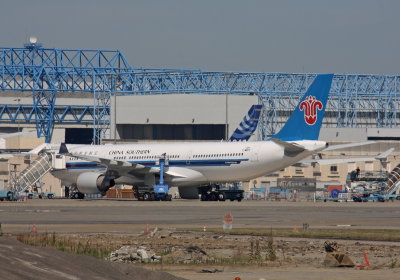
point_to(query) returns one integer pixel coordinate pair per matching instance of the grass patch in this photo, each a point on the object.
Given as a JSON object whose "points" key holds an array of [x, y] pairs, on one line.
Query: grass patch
{"points": [[66, 244], [347, 234]]}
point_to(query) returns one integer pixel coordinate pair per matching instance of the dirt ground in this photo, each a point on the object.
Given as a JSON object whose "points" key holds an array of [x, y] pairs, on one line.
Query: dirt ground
{"points": [[195, 255], [19, 261], [199, 255]]}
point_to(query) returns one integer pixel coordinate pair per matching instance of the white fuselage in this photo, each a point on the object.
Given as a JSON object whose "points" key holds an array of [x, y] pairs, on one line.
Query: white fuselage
{"points": [[192, 163]]}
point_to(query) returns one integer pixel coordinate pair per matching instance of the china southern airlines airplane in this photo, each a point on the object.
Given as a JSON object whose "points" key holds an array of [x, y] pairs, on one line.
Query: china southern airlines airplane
{"points": [[96, 168]]}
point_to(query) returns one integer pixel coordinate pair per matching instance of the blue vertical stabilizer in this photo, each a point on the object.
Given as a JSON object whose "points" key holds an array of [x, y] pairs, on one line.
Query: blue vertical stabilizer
{"points": [[248, 125], [306, 120]]}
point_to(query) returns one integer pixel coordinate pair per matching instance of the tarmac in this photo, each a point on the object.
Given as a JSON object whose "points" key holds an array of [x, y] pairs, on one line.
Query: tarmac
{"points": [[132, 216]]}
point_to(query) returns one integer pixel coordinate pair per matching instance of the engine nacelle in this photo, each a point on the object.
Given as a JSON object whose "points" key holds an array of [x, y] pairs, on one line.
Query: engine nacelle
{"points": [[94, 182]]}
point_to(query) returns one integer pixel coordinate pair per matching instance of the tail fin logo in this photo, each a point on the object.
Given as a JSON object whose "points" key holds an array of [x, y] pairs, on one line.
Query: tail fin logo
{"points": [[310, 106]]}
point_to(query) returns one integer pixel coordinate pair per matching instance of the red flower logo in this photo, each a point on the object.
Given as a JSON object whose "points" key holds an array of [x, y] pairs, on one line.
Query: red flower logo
{"points": [[310, 106]]}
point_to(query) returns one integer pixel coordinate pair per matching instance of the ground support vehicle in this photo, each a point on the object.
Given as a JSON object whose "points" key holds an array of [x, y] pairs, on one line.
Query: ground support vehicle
{"points": [[157, 192], [149, 194], [6, 195], [214, 193], [40, 195]]}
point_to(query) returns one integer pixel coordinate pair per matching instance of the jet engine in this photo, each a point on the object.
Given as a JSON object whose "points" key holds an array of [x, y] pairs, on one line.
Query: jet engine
{"points": [[94, 182]]}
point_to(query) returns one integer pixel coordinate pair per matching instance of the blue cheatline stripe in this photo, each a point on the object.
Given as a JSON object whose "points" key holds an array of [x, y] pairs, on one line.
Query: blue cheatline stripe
{"points": [[211, 162]]}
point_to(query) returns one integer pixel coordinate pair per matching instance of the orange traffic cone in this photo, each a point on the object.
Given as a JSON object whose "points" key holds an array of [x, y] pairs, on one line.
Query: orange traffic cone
{"points": [[366, 262], [204, 228], [147, 228], [34, 228]]}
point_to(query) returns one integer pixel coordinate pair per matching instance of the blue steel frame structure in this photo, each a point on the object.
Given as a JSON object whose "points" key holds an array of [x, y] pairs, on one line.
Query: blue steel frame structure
{"points": [[355, 100]]}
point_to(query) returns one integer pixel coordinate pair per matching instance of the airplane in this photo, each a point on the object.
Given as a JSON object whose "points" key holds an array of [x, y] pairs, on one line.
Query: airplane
{"points": [[243, 132], [96, 168], [248, 125]]}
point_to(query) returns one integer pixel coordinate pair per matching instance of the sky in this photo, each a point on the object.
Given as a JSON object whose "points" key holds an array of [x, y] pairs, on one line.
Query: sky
{"points": [[313, 36]]}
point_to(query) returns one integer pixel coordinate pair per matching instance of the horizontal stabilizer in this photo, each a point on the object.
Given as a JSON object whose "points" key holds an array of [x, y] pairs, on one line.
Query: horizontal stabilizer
{"points": [[291, 150]]}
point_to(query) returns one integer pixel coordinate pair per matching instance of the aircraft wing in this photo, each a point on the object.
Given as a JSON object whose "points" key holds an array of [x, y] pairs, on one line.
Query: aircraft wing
{"points": [[328, 161]]}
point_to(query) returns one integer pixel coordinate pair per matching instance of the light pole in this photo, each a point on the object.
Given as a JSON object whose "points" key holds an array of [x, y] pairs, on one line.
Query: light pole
{"points": [[115, 119], [17, 112], [226, 106]]}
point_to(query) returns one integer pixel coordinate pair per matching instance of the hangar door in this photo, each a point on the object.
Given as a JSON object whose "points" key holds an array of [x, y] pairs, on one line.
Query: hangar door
{"points": [[79, 135], [171, 132]]}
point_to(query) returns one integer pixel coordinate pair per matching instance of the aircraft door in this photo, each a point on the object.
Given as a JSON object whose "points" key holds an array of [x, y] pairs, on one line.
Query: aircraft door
{"points": [[188, 158], [254, 151]]}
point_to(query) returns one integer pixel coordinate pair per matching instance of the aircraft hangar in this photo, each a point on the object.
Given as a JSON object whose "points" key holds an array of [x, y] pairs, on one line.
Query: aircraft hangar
{"points": [[94, 96]]}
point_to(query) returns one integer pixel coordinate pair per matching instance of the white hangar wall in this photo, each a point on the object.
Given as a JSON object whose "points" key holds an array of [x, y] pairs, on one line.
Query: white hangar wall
{"points": [[179, 109]]}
